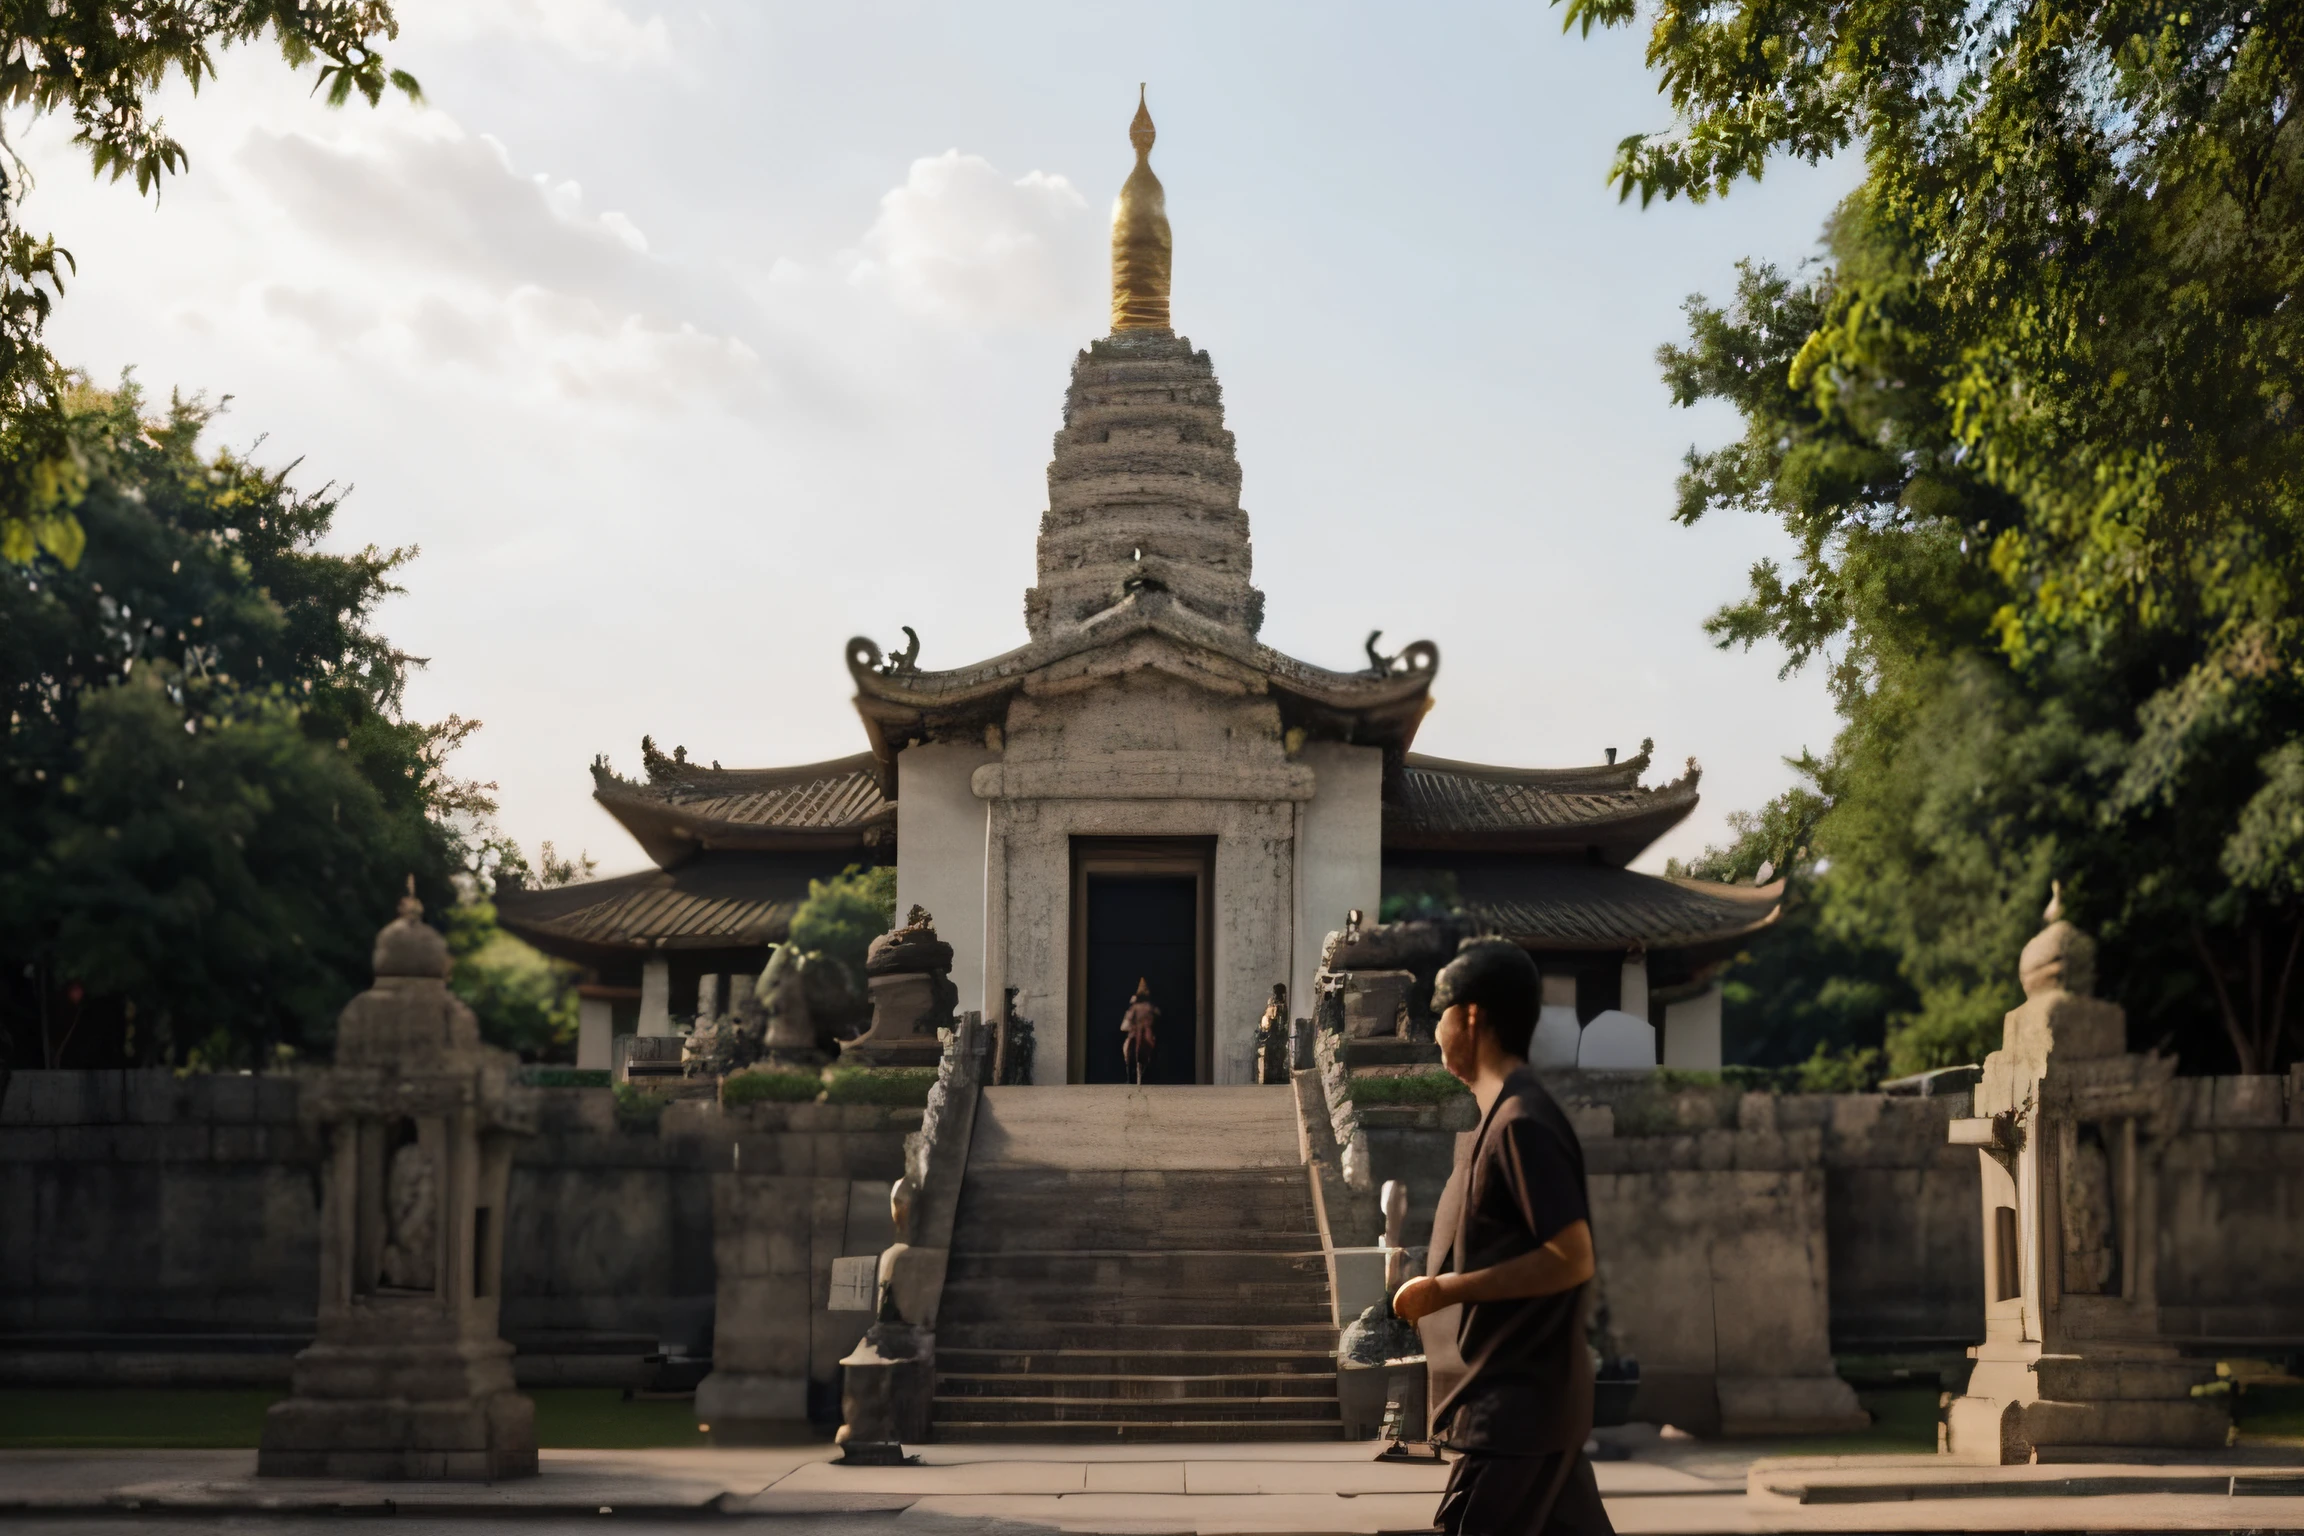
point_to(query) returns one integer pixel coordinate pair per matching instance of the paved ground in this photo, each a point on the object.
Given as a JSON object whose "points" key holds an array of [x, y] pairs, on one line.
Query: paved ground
{"points": [[1665, 1487]]}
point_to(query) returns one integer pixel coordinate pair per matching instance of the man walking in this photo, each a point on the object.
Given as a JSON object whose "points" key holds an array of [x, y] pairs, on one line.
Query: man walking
{"points": [[1512, 1246]]}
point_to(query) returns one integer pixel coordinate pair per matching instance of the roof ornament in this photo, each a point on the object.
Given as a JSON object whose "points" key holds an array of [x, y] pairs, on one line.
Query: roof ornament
{"points": [[1418, 656], [906, 660], [1143, 251]]}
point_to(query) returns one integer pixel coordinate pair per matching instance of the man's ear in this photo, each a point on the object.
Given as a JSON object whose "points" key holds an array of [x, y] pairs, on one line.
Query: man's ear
{"points": [[1474, 1022]]}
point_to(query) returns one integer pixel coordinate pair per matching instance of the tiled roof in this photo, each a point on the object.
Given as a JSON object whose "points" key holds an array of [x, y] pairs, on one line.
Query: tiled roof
{"points": [[814, 805], [714, 902], [1562, 904], [1144, 630], [1436, 803]]}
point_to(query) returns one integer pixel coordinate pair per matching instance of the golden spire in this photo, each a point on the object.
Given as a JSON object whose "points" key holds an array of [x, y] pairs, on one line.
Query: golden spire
{"points": [[1142, 251]]}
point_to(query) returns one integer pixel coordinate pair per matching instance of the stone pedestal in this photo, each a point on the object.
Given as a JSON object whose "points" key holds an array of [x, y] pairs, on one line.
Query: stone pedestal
{"points": [[2068, 1127], [909, 974], [407, 1377]]}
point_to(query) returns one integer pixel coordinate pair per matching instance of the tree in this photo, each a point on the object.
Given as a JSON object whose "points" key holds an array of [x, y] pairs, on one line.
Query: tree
{"points": [[210, 798], [843, 915], [98, 62], [2030, 425]]}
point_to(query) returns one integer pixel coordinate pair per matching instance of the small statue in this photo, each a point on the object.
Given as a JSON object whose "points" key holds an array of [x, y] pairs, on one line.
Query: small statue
{"points": [[1137, 1041], [1272, 1038], [410, 1201]]}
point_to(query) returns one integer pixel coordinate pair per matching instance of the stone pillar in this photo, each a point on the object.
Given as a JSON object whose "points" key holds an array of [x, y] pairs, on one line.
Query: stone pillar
{"points": [[2068, 1129], [1553, 1047], [407, 1377], [656, 997], [595, 1031], [708, 998], [1632, 987], [1692, 1032]]}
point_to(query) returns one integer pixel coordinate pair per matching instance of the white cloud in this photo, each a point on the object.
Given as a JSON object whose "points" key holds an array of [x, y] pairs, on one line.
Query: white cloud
{"points": [[595, 31], [435, 253], [962, 241]]}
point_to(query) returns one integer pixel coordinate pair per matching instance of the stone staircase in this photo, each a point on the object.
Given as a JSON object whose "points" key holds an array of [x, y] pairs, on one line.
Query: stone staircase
{"points": [[1135, 1265]]}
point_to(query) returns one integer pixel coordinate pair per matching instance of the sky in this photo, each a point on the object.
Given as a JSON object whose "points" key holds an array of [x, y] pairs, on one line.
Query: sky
{"points": [[686, 341]]}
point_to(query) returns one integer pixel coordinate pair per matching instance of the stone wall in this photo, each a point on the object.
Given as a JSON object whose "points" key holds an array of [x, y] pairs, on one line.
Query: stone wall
{"points": [[165, 1229]]}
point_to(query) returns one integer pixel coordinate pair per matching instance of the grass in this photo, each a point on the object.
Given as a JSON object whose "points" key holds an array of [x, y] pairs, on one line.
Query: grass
{"points": [[1903, 1421], [2270, 1413], [56, 1418]]}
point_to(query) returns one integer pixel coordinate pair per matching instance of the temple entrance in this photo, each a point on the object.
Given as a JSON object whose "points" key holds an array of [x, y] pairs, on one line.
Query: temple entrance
{"points": [[1140, 916]]}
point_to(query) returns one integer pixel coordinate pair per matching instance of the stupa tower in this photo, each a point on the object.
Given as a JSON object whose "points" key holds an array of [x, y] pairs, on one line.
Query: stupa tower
{"points": [[1144, 488]]}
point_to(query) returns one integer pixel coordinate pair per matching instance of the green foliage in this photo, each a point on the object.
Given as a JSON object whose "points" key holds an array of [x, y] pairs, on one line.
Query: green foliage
{"points": [[209, 798], [567, 1077], [900, 1086], [1403, 1088], [2031, 428], [98, 62], [525, 1000], [843, 915], [766, 1085], [637, 1109], [1843, 1071], [1419, 893]]}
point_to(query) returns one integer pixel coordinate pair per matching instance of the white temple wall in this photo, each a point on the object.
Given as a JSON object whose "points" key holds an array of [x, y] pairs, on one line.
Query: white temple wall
{"points": [[1141, 755], [1339, 854], [1692, 1032], [940, 855]]}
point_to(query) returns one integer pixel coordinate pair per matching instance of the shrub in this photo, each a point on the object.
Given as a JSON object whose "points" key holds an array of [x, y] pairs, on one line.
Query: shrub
{"points": [[904, 1087], [637, 1109], [768, 1085], [567, 1077], [1415, 1088]]}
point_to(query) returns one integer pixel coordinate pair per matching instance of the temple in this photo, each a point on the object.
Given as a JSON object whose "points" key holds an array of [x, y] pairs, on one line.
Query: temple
{"points": [[1144, 792]]}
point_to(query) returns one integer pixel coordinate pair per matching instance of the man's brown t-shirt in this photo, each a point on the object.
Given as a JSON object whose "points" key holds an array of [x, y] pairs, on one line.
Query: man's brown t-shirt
{"points": [[1527, 1382]]}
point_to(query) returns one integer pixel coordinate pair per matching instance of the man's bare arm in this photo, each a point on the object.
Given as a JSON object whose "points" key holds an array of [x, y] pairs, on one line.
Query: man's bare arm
{"points": [[1560, 1265]]}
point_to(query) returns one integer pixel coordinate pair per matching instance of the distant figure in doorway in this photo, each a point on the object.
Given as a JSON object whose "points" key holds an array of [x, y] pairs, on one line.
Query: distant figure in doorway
{"points": [[1137, 1042]]}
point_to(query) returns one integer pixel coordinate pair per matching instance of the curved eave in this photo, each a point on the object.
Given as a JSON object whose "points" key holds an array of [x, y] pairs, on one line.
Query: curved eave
{"points": [[674, 822], [1560, 906], [1146, 631], [1618, 836], [633, 916]]}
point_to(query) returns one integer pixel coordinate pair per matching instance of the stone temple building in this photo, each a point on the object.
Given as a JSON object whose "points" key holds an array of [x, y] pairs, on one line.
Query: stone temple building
{"points": [[1145, 791]]}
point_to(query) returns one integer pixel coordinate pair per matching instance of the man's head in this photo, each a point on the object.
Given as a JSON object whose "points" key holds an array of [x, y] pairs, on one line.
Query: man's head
{"points": [[1489, 991]]}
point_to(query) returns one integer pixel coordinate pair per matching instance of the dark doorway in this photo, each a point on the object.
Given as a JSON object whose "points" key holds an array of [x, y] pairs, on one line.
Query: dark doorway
{"points": [[1141, 911]]}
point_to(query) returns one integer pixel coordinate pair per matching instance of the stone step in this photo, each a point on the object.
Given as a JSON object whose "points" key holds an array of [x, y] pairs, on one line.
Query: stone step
{"points": [[1116, 1128], [1147, 1271], [1012, 1330], [1137, 1386], [1113, 1410], [1003, 1238], [1169, 1362], [982, 1301], [1113, 1432]]}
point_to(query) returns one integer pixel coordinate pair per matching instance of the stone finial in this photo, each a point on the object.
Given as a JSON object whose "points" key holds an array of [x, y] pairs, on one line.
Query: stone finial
{"points": [[911, 948], [409, 946], [2059, 958]]}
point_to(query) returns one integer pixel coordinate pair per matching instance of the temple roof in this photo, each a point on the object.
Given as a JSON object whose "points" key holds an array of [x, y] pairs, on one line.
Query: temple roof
{"points": [[1434, 803], [707, 904], [685, 809], [1145, 629], [1559, 904]]}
